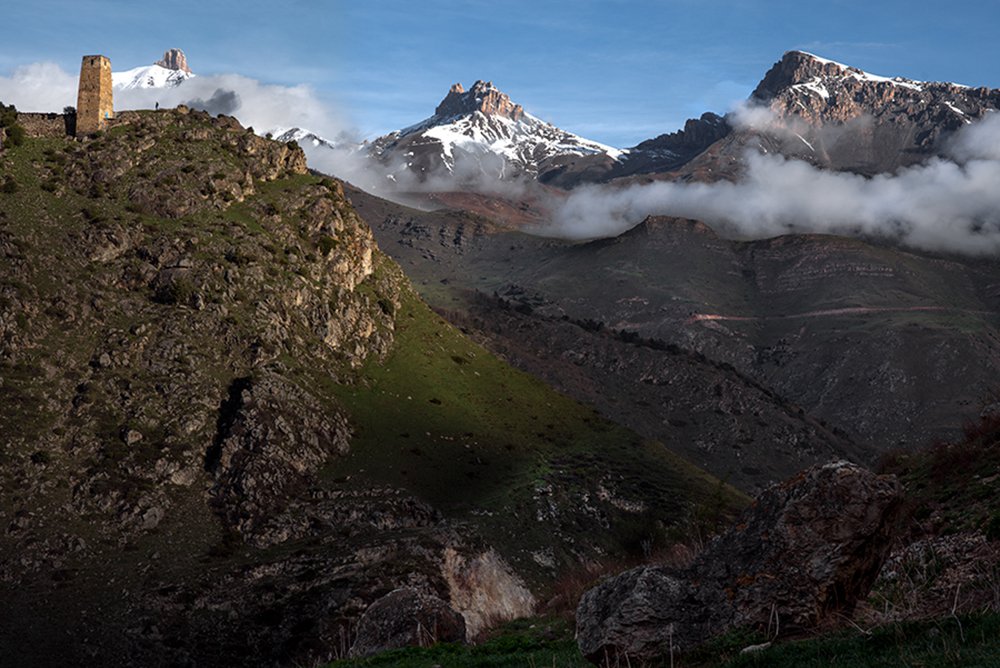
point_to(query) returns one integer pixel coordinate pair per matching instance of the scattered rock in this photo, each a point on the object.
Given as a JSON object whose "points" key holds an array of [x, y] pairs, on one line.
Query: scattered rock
{"points": [[406, 617], [485, 590], [807, 549]]}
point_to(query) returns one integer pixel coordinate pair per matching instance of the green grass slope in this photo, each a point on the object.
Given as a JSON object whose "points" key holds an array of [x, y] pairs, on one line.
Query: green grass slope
{"points": [[485, 443]]}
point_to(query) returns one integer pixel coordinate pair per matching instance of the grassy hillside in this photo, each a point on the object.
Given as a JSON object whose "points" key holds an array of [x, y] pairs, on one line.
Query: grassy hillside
{"points": [[485, 443]]}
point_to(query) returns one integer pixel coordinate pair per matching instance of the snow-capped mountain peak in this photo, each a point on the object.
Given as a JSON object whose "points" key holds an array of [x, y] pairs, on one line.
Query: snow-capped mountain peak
{"points": [[171, 70], [481, 131]]}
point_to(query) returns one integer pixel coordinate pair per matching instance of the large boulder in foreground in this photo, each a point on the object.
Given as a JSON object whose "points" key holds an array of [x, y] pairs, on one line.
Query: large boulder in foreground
{"points": [[407, 617], [806, 549]]}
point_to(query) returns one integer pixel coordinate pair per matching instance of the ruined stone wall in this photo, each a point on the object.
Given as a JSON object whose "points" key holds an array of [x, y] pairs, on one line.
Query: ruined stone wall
{"points": [[61, 125], [95, 105], [45, 125]]}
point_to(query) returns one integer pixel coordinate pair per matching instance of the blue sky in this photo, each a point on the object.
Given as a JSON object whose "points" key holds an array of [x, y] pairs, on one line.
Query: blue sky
{"points": [[617, 71]]}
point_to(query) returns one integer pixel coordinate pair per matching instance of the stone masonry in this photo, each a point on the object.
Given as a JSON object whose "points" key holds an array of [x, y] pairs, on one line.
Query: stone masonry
{"points": [[95, 106]]}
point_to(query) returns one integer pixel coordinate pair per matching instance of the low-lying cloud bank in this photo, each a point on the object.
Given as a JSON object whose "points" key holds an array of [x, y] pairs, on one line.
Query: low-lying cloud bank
{"points": [[950, 203]]}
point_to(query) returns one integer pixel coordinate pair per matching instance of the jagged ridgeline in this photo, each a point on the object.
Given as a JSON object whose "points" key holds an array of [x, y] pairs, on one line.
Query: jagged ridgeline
{"points": [[229, 425]]}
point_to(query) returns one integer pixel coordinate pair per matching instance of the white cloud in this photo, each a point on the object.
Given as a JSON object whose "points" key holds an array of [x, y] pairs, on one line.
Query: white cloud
{"points": [[39, 87], [950, 203]]}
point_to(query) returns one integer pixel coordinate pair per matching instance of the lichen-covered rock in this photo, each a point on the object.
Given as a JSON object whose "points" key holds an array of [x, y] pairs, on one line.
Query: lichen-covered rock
{"points": [[807, 549], [406, 617]]}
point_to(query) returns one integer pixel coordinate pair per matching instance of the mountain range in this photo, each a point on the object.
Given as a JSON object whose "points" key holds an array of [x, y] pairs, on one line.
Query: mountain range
{"points": [[826, 113], [777, 311], [247, 405]]}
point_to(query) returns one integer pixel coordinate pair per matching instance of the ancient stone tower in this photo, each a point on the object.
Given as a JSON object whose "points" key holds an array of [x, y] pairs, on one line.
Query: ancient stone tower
{"points": [[94, 105]]}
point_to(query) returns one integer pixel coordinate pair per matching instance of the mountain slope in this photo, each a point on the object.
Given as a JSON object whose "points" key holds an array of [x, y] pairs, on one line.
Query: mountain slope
{"points": [[649, 380], [229, 425], [894, 347]]}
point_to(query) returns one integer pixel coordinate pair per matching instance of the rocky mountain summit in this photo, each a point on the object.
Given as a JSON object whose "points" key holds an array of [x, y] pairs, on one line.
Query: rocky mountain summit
{"points": [[483, 97], [865, 123], [174, 59], [839, 117]]}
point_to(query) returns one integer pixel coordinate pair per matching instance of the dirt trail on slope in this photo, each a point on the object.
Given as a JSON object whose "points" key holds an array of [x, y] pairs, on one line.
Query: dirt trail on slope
{"points": [[854, 310]]}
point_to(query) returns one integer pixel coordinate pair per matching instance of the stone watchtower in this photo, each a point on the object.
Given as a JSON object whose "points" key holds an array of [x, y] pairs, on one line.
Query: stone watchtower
{"points": [[94, 104]]}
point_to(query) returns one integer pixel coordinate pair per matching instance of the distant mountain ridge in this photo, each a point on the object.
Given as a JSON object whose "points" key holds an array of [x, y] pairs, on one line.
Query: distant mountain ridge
{"points": [[839, 117], [832, 115]]}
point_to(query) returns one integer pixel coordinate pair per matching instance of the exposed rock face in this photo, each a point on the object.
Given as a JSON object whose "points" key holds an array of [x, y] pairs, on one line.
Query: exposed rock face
{"points": [[174, 59], [848, 119], [805, 550], [406, 617], [484, 589], [674, 149], [260, 460], [482, 97]]}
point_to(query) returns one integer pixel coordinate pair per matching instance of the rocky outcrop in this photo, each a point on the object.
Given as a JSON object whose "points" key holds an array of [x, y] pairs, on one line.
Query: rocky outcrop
{"points": [[806, 550], [482, 97], [189, 180], [174, 59], [406, 617], [484, 589], [272, 438], [676, 148]]}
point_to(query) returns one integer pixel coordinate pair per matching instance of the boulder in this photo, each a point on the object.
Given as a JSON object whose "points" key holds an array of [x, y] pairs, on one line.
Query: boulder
{"points": [[805, 550], [406, 617]]}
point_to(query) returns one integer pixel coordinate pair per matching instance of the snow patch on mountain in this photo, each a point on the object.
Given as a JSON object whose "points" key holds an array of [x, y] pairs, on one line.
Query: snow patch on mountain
{"points": [[861, 75], [303, 137], [149, 76]]}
